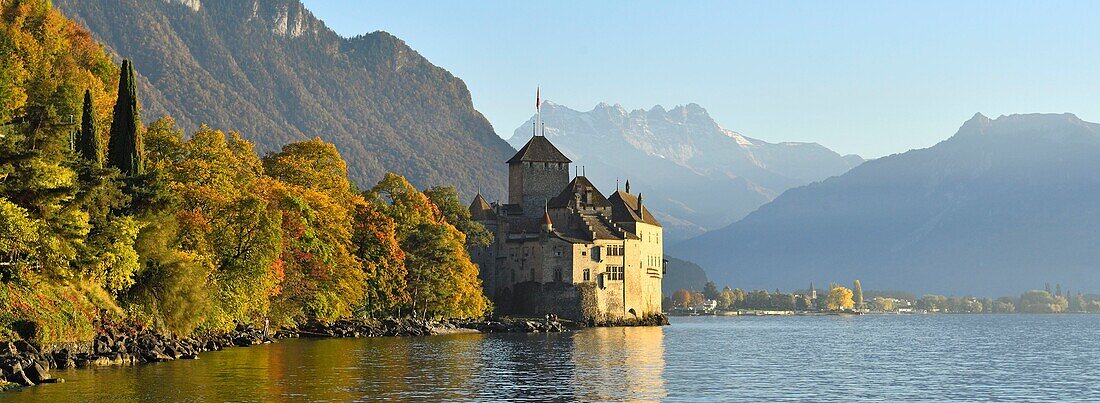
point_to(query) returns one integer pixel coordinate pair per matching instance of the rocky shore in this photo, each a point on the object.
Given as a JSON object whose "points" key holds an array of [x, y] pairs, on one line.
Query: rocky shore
{"points": [[25, 364]]}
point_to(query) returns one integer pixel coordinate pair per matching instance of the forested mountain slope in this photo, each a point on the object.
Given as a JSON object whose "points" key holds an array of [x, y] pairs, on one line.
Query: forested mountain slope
{"points": [[277, 74]]}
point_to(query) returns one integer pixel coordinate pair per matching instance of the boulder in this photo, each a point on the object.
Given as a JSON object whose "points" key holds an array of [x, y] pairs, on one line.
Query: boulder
{"points": [[171, 351], [242, 341], [8, 349], [63, 359], [212, 345], [98, 361], [24, 346], [155, 356], [16, 375], [36, 372]]}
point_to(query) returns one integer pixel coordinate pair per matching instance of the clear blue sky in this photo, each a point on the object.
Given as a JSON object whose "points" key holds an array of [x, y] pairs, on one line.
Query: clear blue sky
{"points": [[866, 77]]}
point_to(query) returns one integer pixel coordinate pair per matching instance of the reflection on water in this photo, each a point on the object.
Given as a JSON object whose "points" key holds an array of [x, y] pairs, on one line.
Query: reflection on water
{"points": [[891, 358], [596, 364], [619, 364]]}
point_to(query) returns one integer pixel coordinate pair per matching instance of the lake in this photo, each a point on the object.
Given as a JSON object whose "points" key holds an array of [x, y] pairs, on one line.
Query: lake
{"points": [[816, 358]]}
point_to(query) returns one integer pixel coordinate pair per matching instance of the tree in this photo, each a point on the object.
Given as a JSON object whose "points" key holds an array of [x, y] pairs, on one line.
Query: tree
{"points": [[726, 298], [710, 291], [1004, 305], [453, 211], [681, 298], [1077, 304], [839, 298], [375, 238], [124, 150], [1039, 301], [434, 263], [87, 144], [857, 294], [882, 304]]}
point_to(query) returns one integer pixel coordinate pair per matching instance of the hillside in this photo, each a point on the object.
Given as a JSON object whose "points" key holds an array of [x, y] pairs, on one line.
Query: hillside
{"points": [[697, 175], [277, 74], [682, 274], [1003, 205]]}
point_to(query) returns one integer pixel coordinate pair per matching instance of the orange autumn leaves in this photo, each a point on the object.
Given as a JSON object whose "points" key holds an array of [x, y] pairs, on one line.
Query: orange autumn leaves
{"points": [[288, 237]]}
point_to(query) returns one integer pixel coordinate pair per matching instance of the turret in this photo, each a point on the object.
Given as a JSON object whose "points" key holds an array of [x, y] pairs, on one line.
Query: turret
{"points": [[537, 173]]}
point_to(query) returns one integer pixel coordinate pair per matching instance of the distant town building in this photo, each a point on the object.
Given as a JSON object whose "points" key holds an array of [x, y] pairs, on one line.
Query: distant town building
{"points": [[560, 246]]}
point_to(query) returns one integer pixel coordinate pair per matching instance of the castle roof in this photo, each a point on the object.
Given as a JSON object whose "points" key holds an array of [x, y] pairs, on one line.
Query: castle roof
{"points": [[580, 191], [539, 149], [626, 207], [480, 209]]}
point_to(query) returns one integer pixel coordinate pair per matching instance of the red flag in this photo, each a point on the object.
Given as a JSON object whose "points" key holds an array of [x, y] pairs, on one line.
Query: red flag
{"points": [[538, 102]]}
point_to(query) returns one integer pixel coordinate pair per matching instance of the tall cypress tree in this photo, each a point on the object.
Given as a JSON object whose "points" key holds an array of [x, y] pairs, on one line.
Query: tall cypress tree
{"points": [[857, 294], [125, 150], [87, 142]]}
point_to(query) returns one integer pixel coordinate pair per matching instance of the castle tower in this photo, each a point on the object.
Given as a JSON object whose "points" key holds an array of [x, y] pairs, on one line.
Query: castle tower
{"points": [[537, 173]]}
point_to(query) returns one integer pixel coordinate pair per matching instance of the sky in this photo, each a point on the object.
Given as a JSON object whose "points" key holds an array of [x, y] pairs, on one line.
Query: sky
{"points": [[866, 77]]}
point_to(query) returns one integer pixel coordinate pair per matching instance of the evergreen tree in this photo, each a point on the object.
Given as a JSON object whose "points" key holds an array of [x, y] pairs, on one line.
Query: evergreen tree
{"points": [[857, 294], [124, 150], [87, 142]]}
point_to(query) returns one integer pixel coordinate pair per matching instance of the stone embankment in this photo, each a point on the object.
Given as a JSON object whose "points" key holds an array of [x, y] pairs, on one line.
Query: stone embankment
{"points": [[25, 364]]}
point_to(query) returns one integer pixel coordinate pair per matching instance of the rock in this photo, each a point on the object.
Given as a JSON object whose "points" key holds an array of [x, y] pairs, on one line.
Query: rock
{"points": [[16, 375], [242, 341], [53, 380], [25, 347], [189, 357], [36, 372], [155, 356], [98, 361], [63, 359], [212, 345], [8, 349]]}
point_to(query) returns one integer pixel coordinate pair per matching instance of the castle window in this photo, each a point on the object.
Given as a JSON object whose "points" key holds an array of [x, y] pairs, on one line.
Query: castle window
{"points": [[596, 253], [557, 275], [615, 273], [587, 275], [614, 250]]}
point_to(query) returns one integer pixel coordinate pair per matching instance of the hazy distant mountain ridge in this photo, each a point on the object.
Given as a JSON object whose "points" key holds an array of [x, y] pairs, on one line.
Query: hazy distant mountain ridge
{"points": [[1002, 206], [698, 175], [277, 74]]}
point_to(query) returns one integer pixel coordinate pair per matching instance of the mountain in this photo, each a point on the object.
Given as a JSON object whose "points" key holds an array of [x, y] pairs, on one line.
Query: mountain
{"points": [[1002, 206], [272, 71], [682, 274], [697, 175]]}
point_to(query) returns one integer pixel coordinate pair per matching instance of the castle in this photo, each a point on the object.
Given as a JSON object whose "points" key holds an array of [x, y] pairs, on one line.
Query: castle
{"points": [[561, 247]]}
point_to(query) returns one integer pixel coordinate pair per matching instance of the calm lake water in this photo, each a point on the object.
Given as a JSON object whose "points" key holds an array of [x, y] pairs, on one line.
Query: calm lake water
{"points": [[828, 358]]}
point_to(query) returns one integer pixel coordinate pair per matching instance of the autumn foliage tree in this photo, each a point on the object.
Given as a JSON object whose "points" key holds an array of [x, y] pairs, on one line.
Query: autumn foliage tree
{"points": [[839, 298], [207, 233]]}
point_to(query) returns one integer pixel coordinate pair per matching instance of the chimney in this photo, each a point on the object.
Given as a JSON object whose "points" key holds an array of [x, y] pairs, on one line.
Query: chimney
{"points": [[639, 203]]}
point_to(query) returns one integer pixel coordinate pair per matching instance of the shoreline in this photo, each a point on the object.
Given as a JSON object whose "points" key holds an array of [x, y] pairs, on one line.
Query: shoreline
{"points": [[24, 364]]}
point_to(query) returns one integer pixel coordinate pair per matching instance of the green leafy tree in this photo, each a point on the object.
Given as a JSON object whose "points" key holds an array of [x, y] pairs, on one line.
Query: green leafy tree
{"points": [[726, 298], [446, 199], [710, 290]]}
